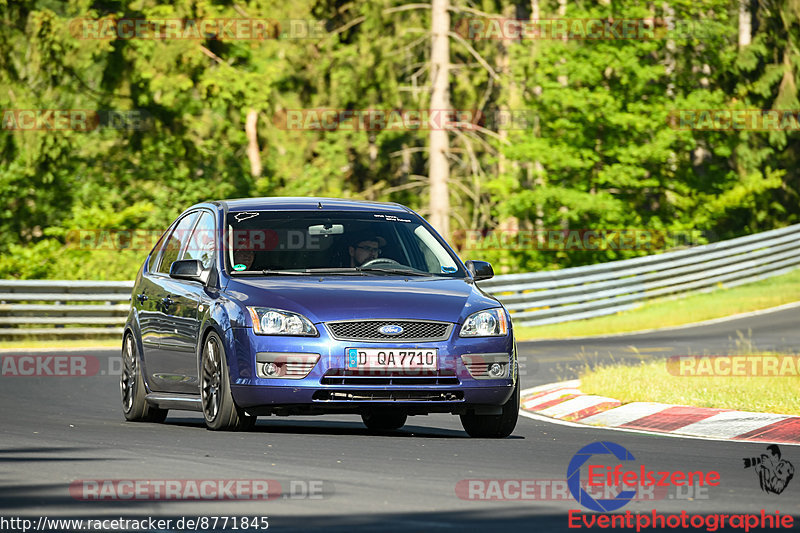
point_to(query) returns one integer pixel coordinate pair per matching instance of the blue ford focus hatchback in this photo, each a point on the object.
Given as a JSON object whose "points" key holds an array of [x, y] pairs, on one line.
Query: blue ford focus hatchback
{"points": [[303, 306]]}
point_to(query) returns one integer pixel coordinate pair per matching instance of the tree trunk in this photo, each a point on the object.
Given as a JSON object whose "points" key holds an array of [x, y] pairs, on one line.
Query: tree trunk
{"points": [[671, 49], [439, 169], [535, 170], [253, 152], [745, 24]]}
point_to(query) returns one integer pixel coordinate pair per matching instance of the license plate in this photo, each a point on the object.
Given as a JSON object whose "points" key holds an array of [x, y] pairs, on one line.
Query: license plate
{"points": [[391, 359]]}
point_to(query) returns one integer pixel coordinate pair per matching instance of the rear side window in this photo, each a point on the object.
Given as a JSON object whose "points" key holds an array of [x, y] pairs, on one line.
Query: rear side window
{"points": [[176, 242]]}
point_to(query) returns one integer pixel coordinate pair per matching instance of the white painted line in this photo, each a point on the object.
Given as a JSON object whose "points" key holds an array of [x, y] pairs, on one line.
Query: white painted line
{"points": [[775, 309], [57, 349], [625, 413], [574, 405], [540, 418], [729, 424], [571, 384], [529, 404]]}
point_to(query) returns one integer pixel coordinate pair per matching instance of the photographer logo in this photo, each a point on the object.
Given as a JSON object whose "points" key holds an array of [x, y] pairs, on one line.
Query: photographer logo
{"points": [[773, 472]]}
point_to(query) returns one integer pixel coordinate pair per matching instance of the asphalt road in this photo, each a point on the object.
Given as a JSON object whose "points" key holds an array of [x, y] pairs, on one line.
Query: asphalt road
{"points": [[331, 475]]}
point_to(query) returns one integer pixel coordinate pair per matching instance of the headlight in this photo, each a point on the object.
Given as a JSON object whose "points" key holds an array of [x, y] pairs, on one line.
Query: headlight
{"points": [[268, 321], [488, 323]]}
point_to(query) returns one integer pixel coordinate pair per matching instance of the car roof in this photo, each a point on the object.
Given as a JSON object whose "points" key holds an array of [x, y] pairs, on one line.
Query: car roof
{"points": [[290, 203]]}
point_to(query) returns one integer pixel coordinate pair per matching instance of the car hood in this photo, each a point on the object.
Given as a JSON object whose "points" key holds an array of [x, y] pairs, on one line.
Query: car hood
{"points": [[369, 297]]}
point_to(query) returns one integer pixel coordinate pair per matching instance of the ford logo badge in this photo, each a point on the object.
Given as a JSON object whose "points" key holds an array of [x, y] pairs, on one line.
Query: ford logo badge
{"points": [[391, 329]]}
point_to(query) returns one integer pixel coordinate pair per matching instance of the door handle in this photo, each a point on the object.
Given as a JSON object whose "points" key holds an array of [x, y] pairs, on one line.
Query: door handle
{"points": [[142, 298]]}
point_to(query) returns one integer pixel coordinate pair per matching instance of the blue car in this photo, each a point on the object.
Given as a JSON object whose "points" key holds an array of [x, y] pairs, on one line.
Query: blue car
{"points": [[305, 306]]}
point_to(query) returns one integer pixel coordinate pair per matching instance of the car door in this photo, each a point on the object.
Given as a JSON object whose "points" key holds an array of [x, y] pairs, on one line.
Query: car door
{"points": [[163, 371], [146, 302], [180, 342]]}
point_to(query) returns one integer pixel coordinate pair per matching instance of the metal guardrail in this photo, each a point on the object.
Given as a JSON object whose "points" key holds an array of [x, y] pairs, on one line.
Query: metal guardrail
{"points": [[100, 307], [590, 291]]}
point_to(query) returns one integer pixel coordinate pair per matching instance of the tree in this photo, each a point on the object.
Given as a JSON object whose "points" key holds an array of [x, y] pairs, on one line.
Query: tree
{"points": [[439, 143]]}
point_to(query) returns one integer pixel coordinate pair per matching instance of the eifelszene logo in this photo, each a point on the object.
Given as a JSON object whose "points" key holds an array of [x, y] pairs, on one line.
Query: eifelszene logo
{"points": [[615, 477], [773, 472]]}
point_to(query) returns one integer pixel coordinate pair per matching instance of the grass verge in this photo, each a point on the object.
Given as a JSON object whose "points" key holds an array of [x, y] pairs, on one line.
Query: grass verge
{"points": [[650, 381], [675, 312]]}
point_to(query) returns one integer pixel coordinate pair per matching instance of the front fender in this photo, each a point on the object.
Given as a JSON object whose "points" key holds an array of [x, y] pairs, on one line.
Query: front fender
{"points": [[220, 317]]}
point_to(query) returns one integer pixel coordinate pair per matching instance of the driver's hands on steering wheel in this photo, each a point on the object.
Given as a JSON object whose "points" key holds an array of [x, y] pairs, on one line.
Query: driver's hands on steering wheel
{"points": [[380, 261]]}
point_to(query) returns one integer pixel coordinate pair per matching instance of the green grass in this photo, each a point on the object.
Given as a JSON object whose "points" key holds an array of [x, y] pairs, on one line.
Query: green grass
{"points": [[674, 312], [650, 381]]}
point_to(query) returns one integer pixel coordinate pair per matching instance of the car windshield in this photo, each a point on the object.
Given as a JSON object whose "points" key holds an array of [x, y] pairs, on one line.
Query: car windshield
{"points": [[346, 243]]}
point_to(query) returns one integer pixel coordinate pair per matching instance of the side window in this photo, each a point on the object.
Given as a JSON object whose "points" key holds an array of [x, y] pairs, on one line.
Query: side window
{"points": [[436, 258], [176, 242], [202, 242], [151, 266]]}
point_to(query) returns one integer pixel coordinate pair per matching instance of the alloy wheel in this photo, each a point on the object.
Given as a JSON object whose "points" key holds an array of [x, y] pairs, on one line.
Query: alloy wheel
{"points": [[211, 378]]}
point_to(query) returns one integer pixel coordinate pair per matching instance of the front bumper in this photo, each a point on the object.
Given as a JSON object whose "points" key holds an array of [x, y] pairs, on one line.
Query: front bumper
{"points": [[328, 388]]}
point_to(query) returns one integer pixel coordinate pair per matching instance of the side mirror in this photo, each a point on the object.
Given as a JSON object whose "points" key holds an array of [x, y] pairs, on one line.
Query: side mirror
{"points": [[190, 269], [480, 270]]}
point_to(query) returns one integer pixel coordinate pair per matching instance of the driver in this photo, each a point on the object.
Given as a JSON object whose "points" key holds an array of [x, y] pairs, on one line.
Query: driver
{"points": [[365, 248], [243, 259]]}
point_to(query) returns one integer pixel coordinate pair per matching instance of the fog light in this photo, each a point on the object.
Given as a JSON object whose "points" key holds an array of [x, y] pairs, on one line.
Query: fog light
{"points": [[487, 365], [285, 365], [496, 370]]}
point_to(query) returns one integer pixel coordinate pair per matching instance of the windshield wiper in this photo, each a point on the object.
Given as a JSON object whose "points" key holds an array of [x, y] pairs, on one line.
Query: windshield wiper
{"points": [[269, 272], [334, 270], [361, 270], [404, 271]]}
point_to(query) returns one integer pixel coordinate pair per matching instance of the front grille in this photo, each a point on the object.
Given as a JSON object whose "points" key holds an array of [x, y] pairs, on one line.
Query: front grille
{"points": [[368, 330], [387, 396], [347, 377]]}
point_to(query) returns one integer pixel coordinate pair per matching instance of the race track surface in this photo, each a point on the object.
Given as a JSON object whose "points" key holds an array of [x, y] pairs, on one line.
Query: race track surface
{"points": [[59, 432]]}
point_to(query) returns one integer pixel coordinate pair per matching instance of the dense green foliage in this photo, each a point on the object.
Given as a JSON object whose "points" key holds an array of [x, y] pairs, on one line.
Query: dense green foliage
{"points": [[602, 152]]}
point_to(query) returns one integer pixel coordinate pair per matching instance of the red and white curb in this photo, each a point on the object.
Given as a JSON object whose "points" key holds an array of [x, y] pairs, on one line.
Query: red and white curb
{"points": [[564, 401]]}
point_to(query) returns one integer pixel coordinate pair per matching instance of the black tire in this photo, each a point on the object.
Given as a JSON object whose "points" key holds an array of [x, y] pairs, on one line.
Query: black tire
{"points": [[383, 420], [494, 426], [132, 388], [219, 410]]}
